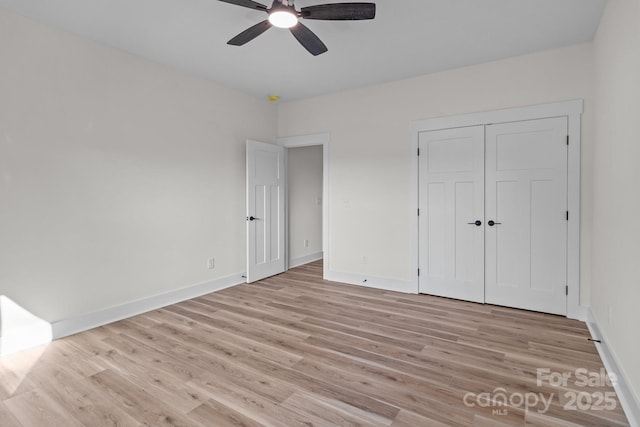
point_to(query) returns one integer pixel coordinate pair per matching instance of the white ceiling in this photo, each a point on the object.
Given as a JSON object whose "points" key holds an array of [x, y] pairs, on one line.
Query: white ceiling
{"points": [[408, 38]]}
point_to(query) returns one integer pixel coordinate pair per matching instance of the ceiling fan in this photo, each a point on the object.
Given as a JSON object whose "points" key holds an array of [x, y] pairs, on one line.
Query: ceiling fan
{"points": [[283, 14]]}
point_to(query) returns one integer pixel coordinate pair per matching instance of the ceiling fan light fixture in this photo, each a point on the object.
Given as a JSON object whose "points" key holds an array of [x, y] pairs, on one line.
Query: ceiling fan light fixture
{"points": [[283, 19], [283, 14]]}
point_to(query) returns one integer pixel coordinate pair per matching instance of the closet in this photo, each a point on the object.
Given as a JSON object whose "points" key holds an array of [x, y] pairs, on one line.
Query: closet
{"points": [[493, 213]]}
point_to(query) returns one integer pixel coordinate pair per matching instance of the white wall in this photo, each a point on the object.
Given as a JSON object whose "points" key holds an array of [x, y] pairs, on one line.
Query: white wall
{"points": [[616, 202], [370, 149], [118, 177], [305, 191]]}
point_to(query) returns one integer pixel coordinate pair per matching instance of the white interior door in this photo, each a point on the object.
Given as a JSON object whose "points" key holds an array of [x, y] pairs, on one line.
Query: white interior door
{"points": [[526, 198], [265, 210], [451, 224]]}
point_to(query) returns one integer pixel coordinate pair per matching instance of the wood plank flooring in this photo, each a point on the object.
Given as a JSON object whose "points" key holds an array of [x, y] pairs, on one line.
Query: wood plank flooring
{"points": [[294, 350]]}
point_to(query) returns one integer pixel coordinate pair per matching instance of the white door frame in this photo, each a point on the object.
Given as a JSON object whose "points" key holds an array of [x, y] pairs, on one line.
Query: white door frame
{"points": [[573, 110], [307, 141]]}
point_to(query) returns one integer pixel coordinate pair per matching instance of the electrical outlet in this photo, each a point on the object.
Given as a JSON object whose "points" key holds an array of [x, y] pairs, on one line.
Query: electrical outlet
{"points": [[318, 200], [211, 263], [306, 243], [365, 260]]}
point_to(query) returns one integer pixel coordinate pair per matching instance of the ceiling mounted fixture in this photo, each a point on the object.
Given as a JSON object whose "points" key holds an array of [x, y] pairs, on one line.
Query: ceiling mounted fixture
{"points": [[283, 19], [283, 14]]}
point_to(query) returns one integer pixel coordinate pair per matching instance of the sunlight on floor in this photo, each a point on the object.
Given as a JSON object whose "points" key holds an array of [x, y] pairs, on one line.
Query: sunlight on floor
{"points": [[15, 368]]}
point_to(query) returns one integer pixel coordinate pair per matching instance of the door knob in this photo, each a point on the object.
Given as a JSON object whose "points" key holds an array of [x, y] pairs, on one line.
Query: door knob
{"points": [[478, 223], [492, 223], [252, 218]]}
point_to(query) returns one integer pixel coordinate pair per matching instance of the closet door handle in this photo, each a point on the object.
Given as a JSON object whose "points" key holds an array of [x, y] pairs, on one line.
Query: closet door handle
{"points": [[478, 223], [492, 223]]}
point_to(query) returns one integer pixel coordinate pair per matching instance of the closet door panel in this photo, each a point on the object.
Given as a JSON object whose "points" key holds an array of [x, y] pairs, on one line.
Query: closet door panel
{"points": [[451, 200], [526, 198]]}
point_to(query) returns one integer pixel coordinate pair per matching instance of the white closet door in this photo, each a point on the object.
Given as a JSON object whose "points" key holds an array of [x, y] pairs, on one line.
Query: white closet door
{"points": [[451, 199], [526, 197]]}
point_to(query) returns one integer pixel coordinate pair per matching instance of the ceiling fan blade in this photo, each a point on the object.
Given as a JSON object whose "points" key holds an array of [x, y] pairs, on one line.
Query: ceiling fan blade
{"points": [[340, 11], [308, 39], [247, 3], [250, 33]]}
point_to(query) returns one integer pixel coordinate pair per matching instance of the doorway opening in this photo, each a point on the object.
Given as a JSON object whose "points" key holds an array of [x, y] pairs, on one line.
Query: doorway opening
{"points": [[304, 186], [307, 207]]}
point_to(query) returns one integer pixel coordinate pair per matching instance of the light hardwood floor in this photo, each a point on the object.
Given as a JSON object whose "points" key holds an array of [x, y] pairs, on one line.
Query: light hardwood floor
{"points": [[294, 350]]}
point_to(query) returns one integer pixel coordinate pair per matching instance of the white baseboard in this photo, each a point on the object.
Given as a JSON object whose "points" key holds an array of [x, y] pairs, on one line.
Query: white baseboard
{"points": [[297, 262], [74, 325], [628, 398], [372, 281]]}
